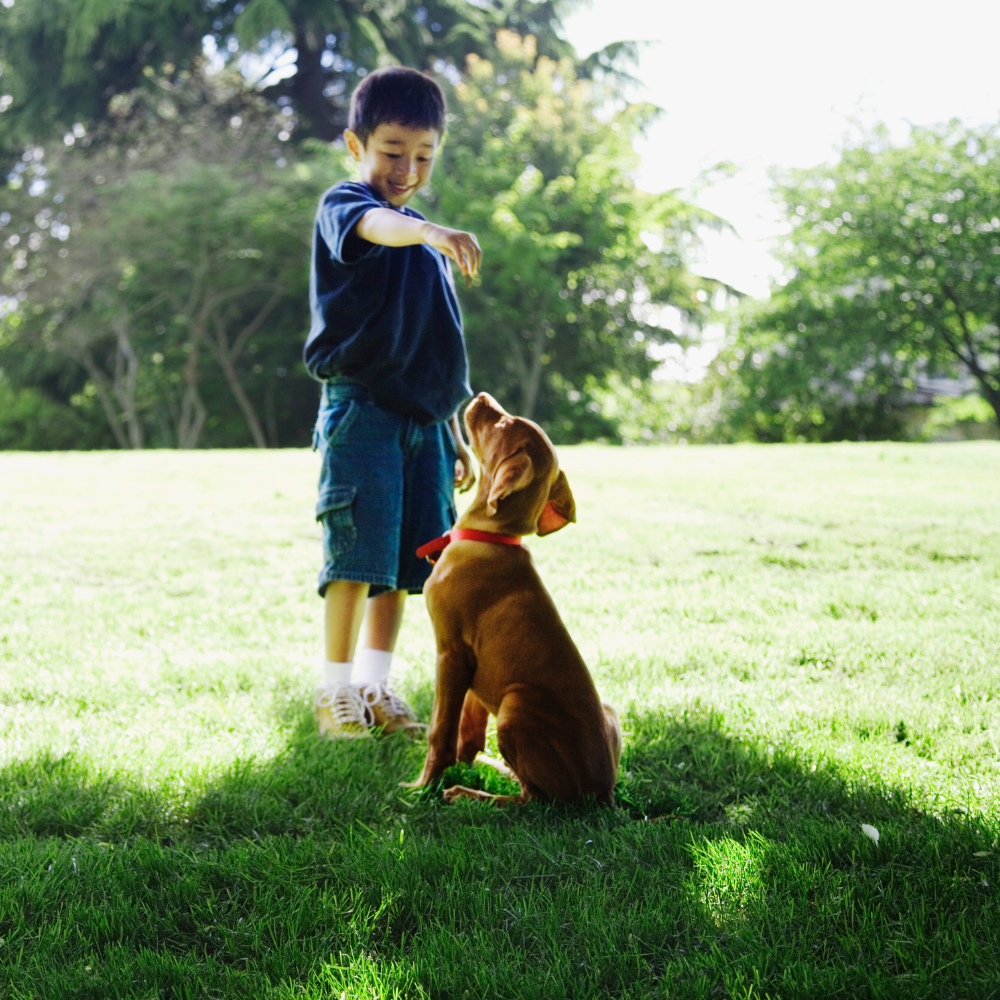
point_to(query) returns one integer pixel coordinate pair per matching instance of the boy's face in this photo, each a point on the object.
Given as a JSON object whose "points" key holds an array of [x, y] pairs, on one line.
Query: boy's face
{"points": [[396, 161]]}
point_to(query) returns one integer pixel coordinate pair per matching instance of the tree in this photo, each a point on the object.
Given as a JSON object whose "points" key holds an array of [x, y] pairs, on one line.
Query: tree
{"points": [[63, 61], [538, 164], [153, 270], [894, 269], [172, 240], [336, 43]]}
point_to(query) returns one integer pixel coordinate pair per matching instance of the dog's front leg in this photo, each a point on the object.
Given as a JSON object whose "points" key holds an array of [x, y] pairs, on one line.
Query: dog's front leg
{"points": [[455, 669], [472, 728]]}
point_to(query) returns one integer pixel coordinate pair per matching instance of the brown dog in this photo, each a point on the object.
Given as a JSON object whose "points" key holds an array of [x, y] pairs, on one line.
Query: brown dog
{"points": [[502, 647]]}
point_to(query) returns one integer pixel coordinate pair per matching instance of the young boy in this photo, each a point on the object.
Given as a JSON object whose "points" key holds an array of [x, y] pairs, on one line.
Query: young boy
{"points": [[386, 342]]}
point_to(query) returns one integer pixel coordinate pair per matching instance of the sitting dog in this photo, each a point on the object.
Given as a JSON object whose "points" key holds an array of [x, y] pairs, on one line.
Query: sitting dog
{"points": [[502, 648]]}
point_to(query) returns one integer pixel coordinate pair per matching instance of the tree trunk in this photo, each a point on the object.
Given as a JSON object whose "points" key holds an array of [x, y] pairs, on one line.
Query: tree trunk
{"points": [[227, 355], [125, 385], [102, 386], [193, 412], [529, 395], [993, 398], [233, 381], [529, 370], [307, 88], [270, 418], [989, 383], [520, 365]]}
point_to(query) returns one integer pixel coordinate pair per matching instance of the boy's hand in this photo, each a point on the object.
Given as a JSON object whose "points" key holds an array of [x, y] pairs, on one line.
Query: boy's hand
{"points": [[462, 248], [465, 476]]}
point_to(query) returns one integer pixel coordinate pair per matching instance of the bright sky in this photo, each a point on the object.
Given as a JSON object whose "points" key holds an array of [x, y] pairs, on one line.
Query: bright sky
{"points": [[777, 82]]}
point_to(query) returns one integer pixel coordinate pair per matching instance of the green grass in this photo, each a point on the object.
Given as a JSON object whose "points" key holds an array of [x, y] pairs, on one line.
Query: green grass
{"points": [[801, 639]]}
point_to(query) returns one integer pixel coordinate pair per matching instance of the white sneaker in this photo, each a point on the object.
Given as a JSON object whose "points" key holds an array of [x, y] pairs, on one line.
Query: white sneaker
{"points": [[388, 710], [341, 714]]}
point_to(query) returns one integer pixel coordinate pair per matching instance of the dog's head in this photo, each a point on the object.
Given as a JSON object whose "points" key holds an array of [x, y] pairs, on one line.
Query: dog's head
{"points": [[522, 489]]}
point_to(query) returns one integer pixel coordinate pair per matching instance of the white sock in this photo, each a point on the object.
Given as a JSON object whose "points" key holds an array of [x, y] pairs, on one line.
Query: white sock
{"points": [[337, 675], [373, 666]]}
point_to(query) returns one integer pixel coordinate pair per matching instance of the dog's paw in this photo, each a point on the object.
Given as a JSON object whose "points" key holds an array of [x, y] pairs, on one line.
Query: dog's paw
{"points": [[457, 792]]}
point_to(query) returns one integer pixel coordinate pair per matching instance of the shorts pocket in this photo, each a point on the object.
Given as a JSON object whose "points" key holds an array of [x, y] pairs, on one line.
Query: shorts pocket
{"points": [[335, 510], [333, 422]]}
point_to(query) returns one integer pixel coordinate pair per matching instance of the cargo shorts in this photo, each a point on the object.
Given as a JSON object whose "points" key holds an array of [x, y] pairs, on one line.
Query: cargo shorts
{"points": [[386, 486]]}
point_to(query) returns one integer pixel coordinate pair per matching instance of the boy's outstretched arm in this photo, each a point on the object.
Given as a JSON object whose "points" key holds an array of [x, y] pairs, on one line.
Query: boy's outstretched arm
{"points": [[393, 229]]}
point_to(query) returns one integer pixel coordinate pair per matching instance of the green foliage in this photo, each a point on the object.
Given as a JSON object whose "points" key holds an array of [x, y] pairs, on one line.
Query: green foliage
{"points": [[894, 268], [569, 289], [258, 20], [32, 421], [800, 640], [156, 265], [771, 393], [62, 60], [336, 43], [967, 416], [170, 241], [649, 411]]}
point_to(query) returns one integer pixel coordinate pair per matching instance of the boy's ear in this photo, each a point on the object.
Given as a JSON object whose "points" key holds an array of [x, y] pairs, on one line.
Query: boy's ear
{"points": [[354, 145], [512, 474], [560, 509]]}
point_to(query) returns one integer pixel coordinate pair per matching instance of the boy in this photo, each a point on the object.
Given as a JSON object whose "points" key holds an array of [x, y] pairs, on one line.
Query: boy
{"points": [[386, 342]]}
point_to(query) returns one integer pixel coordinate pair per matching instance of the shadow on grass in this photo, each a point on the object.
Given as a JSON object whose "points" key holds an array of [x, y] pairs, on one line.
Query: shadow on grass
{"points": [[726, 870]]}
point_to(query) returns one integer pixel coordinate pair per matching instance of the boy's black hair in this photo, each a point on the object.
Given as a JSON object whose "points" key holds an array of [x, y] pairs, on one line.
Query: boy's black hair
{"points": [[396, 95]]}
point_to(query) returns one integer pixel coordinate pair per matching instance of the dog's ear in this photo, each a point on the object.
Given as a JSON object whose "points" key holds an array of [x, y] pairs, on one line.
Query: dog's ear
{"points": [[560, 509], [512, 474]]}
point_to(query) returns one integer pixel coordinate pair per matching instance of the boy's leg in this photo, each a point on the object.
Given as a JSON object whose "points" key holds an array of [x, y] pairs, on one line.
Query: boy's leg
{"points": [[360, 505], [339, 709], [383, 617], [428, 511], [344, 612]]}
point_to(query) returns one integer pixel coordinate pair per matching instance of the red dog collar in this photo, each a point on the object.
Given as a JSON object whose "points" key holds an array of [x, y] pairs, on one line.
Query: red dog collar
{"points": [[429, 549]]}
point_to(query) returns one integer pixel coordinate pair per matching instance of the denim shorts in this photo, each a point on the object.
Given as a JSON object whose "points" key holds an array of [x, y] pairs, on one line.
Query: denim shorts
{"points": [[386, 486]]}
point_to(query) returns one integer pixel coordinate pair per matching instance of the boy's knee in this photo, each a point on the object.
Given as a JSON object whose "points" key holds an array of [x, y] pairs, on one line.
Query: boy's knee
{"points": [[345, 590]]}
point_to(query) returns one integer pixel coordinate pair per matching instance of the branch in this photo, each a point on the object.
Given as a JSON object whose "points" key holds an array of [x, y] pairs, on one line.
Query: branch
{"points": [[154, 301], [972, 361], [100, 381], [71, 310], [196, 279], [211, 303], [519, 364], [255, 324], [225, 358]]}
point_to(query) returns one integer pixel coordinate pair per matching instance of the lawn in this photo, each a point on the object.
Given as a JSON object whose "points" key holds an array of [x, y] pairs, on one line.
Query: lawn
{"points": [[801, 639]]}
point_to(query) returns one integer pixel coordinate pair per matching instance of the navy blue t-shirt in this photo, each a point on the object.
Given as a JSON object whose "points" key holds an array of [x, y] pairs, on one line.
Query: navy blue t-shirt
{"points": [[386, 317]]}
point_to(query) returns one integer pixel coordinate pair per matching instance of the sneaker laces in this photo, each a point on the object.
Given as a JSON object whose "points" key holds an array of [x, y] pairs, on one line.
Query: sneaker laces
{"points": [[345, 705], [383, 691]]}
